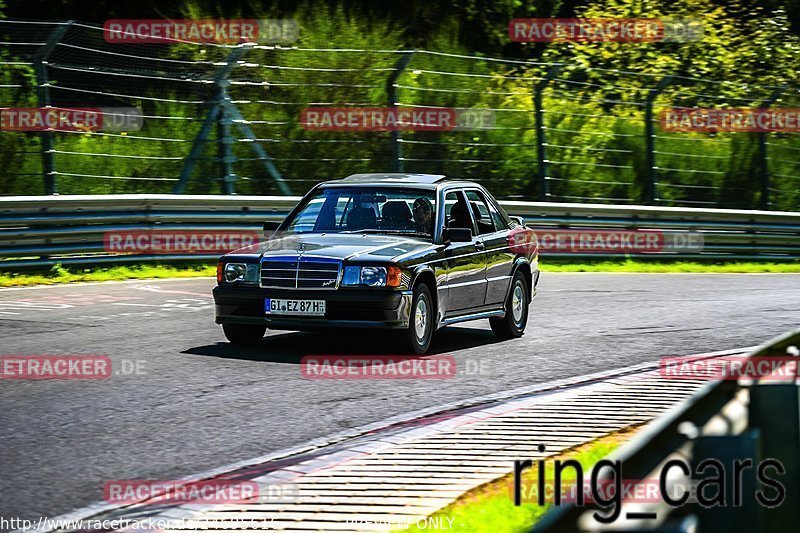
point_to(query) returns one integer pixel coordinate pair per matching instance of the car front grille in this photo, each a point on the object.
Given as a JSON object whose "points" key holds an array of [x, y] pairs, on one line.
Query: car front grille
{"points": [[300, 273]]}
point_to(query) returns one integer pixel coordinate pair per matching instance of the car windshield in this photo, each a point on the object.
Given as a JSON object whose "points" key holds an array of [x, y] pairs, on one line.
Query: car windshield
{"points": [[389, 210]]}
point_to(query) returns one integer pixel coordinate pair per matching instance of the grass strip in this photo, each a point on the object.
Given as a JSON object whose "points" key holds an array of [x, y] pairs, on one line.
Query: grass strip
{"points": [[490, 508], [672, 267], [60, 274]]}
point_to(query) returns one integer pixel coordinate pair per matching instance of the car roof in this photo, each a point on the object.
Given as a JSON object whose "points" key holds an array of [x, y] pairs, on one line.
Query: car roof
{"points": [[398, 178]]}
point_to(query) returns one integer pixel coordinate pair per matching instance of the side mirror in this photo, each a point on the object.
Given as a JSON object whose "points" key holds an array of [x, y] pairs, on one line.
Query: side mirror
{"points": [[270, 226], [518, 220], [457, 235]]}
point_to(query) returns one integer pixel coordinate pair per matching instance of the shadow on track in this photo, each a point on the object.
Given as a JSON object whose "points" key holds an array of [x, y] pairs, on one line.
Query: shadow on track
{"points": [[291, 347]]}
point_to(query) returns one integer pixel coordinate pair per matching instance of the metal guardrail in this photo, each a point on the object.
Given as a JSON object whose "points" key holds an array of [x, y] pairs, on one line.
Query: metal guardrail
{"points": [[37, 231], [726, 421]]}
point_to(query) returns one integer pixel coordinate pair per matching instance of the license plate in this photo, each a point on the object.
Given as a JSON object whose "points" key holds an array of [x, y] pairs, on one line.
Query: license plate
{"points": [[275, 306]]}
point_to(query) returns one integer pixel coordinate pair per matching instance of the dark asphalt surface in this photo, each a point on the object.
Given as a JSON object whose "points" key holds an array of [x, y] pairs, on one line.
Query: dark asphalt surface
{"points": [[201, 403]]}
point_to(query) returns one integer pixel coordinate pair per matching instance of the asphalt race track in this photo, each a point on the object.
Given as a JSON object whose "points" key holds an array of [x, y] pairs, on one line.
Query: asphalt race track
{"points": [[197, 403]]}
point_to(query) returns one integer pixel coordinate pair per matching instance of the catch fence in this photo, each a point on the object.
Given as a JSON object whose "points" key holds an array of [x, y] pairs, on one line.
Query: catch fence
{"points": [[220, 118]]}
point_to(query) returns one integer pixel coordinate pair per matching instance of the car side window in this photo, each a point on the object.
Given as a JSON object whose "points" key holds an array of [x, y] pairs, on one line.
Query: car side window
{"points": [[481, 212], [456, 211]]}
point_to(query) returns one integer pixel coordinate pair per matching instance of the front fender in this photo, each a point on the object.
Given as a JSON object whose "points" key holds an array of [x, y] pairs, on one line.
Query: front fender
{"points": [[439, 290], [532, 273]]}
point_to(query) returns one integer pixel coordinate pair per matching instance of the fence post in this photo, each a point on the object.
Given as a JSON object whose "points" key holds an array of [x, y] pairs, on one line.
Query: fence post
{"points": [[221, 82], [391, 97], [262, 155], [650, 140], [43, 100], [541, 138], [763, 162], [225, 141]]}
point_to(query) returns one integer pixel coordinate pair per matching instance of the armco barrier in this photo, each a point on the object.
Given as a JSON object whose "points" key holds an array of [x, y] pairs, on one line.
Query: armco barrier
{"points": [[37, 231], [752, 422]]}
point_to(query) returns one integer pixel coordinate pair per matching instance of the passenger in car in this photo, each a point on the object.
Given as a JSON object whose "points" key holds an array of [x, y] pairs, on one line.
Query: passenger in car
{"points": [[396, 215], [361, 218], [459, 215]]}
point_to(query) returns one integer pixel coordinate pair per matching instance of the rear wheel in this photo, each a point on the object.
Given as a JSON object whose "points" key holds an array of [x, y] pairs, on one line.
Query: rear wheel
{"points": [[420, 326], [246, 334], [513, 324]]}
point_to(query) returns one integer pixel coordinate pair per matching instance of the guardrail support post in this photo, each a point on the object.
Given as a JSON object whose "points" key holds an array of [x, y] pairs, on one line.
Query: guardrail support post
{"points": [[43, 100], [650, 141], [391, 97], [541, 137], [775, 411], [763, 160]]}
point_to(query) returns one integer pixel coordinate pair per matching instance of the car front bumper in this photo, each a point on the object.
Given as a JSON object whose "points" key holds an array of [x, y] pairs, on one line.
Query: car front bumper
{"points": [[351, 307]]}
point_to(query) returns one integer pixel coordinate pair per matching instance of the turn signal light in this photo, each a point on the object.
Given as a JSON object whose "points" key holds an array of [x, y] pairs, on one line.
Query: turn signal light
{"points": [[393, 276]]}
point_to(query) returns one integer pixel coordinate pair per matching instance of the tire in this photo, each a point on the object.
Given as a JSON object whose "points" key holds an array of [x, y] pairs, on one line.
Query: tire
{"points": [[420, 323], [244, 334], [513, 324]]}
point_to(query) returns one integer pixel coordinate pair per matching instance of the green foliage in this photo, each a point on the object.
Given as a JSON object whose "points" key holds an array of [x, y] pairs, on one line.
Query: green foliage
{"points": [[741, 44], [594, 111]]}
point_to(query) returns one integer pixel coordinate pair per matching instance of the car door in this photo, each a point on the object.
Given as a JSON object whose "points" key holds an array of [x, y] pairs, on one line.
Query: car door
{"points": [[465, 261], [492, 231]]}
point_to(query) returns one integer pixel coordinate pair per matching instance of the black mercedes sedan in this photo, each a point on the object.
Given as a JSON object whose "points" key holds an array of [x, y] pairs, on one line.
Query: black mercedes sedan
{"points": [[407, 252]]}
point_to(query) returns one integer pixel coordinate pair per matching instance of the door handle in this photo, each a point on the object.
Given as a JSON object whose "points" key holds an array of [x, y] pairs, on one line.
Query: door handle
{"points": [[479, 245]]}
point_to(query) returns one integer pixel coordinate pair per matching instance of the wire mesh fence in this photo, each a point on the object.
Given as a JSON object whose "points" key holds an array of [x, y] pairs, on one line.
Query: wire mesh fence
{"points": [[221, 118]]}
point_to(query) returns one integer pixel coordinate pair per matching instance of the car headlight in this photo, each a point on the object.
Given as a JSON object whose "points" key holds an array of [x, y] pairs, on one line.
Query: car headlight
{"points": [[371, 276], [240, 272]]}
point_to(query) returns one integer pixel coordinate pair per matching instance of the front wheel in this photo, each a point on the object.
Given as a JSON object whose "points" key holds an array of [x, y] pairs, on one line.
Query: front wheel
{"points": [[420, 325], [513, 324], [246, 334]]}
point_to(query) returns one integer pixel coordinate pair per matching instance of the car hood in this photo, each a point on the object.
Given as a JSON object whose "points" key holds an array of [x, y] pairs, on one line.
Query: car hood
{"points": [[357, 246]]}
